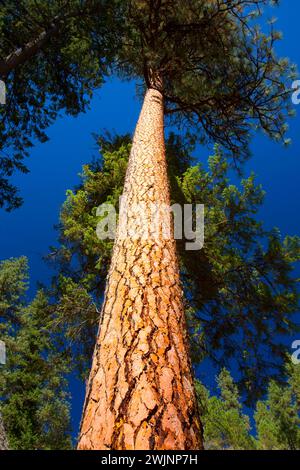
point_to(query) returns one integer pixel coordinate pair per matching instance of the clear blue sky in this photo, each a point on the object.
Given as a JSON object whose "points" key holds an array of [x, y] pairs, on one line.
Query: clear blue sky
{"points": [[54, 167]]}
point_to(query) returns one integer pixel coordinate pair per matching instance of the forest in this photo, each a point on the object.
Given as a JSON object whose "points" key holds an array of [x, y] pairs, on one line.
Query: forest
{"points": [[121, 341]]}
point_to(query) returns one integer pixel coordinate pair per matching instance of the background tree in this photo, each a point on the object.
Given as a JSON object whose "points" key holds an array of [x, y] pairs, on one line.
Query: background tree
{"points": [[225, 425], [278, 417], [33, 387], [240, 289], [52, 56]]}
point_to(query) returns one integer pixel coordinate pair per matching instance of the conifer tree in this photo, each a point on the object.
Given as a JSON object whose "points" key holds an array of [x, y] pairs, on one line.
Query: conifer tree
{"points": [[52, 56], [34, 401], [239, 289], [278, 417], [205, 63], [225, 425]]}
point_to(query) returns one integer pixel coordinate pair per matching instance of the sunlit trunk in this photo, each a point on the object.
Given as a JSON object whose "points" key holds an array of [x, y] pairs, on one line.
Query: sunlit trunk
{"points": [[140, 393]]}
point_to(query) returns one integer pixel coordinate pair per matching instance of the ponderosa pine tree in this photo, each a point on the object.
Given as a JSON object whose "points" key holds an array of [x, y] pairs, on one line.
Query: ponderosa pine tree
{"points": [[34, 401], [52, 56], [239, 289], [206, 63]]}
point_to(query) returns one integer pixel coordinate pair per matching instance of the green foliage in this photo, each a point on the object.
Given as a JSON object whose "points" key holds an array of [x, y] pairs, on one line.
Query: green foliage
{"points": [[215, 66], [13, 287], [240, 286], [59, 74], [82, 258], [34, 401], [277, 418], [225, 426], [240, 293]]}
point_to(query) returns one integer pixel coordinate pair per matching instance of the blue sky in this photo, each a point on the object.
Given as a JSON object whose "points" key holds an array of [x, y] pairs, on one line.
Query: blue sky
{"points": [[54, 167]]}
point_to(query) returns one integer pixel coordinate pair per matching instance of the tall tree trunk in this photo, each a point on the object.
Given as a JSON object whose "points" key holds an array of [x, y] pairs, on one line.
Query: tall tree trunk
{"points": [[3, 440], [140, 393]]}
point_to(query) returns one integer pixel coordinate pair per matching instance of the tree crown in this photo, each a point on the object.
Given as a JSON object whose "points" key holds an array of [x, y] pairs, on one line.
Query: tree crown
{"points": [[217, 69]]}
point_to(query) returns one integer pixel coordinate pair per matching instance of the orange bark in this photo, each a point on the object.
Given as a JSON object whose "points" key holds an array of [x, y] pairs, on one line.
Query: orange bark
{"points": [[140, 393]]}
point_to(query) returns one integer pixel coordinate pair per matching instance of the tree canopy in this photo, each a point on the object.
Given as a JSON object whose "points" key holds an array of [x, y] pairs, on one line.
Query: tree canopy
{"points": [[217, 68], [215, 65], [52, 56]]}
